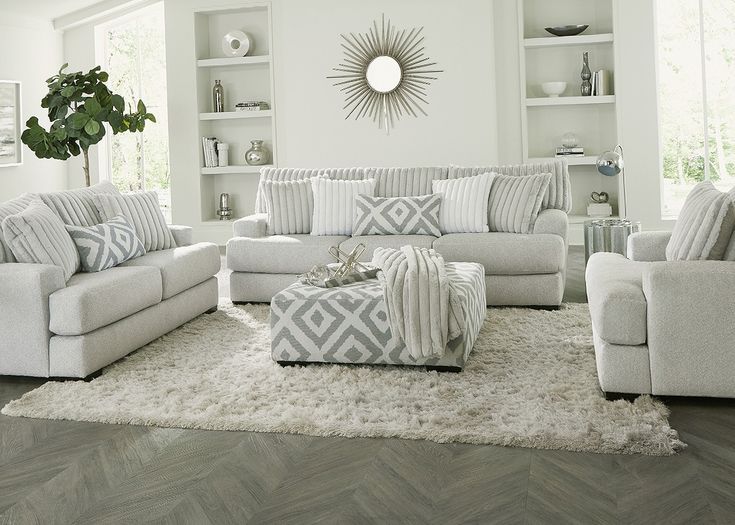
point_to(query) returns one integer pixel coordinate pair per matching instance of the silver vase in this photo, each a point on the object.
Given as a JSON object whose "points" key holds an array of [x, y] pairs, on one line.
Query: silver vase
{"points": [[257, 155]]}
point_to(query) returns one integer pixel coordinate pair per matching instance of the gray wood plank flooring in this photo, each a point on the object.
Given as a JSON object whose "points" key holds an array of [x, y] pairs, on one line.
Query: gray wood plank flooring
{"points": [[69, 472]]}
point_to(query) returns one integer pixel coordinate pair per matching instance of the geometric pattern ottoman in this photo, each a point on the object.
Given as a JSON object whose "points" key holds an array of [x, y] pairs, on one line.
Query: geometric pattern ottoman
{"points": [[349, 324]]}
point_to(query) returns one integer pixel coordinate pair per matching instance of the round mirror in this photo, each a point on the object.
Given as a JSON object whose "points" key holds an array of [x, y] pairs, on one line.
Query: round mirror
{"points": [[383, 74]]}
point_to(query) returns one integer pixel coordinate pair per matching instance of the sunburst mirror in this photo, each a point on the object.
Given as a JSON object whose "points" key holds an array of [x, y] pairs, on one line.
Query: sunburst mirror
{"points": [[384, 74]]}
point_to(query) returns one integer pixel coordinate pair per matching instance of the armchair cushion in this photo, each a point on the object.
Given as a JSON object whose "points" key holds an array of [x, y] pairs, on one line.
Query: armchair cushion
{"points": [[648, 246]]}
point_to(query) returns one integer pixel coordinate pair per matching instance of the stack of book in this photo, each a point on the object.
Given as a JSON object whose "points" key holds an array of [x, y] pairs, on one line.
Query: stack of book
{"points": [[252, 106], [209, 146], [570, 152]]}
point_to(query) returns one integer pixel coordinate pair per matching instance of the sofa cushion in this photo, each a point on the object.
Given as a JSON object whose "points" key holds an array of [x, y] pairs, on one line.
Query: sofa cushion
{"points": [[76, 207], [407, 182], [464, 203], [334, 204], [94, 300], [505, 253], [281, 174], [182, 268], [8, 208], [292, 254], [290, 205], [615, 293], [515, 202], [386, 241]]}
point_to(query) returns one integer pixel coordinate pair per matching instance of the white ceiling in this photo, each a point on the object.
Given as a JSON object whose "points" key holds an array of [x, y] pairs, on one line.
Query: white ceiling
{"points": [[46, 9]]}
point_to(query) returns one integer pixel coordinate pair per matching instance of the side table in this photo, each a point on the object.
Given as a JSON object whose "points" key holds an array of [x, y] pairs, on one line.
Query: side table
{"points": [[608, 235]]}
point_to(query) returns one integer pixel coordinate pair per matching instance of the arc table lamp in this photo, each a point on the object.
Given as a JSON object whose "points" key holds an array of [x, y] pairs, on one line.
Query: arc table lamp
{"points": [[611, 163]]}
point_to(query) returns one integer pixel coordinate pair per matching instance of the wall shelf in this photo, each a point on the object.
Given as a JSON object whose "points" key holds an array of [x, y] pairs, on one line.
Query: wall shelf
{"points": [[586, 160], [569, 101], [229, 115], [233, 169], [576, 40], [233, 61]]}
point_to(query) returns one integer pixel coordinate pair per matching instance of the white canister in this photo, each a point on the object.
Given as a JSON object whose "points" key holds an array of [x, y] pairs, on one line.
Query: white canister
{"points": [[223, 154]]}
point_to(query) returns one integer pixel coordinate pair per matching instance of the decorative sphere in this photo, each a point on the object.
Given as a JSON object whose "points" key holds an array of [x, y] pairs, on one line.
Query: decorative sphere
{"points": [[610, 163], [569, 140]]}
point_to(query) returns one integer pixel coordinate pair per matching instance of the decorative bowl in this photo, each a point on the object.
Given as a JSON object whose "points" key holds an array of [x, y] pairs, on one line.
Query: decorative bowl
{"points": [[553, 89], [567, 30]]}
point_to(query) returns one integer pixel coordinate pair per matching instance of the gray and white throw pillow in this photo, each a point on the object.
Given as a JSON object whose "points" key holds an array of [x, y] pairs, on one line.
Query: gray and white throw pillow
{"points": [[8, 208], [704, 227], [397, 215], [289, 204], [106, 245], [142, 211], [334, 204], [37, 235], [464, 203], [515, 202]]}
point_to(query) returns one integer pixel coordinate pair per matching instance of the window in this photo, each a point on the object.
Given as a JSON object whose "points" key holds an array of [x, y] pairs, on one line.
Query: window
{"points": [[696, 76], [133, 51]]}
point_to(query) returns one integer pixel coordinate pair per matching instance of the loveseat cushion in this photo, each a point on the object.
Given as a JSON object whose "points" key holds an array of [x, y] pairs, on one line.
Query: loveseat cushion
{"points": [[182, 268], [386, 241], [292, 254], [505, 253], [94, 300], [617, 304], [76, 207]]}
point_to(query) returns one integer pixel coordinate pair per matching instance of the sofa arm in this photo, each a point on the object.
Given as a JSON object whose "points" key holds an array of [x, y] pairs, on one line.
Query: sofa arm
{"points": [[252, 226], [183, 235], [691, 327], [648, 246], [24, 316], [552, 221]]}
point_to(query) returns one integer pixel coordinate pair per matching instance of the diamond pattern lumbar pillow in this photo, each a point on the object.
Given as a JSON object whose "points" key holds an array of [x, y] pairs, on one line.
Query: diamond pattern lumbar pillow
{"points": [[397, 215], [106, 245]]}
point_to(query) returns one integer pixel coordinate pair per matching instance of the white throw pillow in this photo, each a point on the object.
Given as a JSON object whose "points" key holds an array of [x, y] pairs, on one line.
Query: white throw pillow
{"points": [[289, 204], [464, 203], [334, 204], [515, 202]]}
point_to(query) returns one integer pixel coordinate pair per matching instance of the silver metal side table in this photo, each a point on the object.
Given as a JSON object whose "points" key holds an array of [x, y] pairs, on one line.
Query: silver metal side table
{"points": [[608, 235]]}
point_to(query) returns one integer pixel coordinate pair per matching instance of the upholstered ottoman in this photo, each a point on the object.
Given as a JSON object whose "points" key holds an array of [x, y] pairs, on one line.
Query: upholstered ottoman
{"points": [[350, 324]]}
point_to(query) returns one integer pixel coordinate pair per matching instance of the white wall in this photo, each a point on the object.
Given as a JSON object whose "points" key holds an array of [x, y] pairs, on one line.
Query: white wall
{"points": [[30, 51]]}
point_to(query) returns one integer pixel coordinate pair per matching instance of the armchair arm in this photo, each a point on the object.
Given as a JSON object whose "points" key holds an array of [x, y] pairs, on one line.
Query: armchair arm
{"points": [[24, 316], [691, 327], [252, 226], [183, 235], [552, 221], [648, 246]]}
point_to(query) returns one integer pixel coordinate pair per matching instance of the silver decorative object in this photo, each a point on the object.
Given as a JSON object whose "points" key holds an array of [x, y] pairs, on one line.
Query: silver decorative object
{"points": [[600, 197], [608, 235], [384, 73], [586, 75], [257, 155], [349, 261], [224, 212], [346, 270], [218, 97], [611, 163]]}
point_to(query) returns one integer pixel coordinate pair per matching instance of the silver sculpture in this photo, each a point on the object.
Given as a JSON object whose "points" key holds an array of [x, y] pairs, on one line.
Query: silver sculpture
{"points": [[224, 212], [385, 73]]}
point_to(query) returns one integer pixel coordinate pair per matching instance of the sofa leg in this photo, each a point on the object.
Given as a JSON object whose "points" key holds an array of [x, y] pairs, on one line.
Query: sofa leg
{"points": [[92, 376], [614, 396], [211, 310], [440, 369]]}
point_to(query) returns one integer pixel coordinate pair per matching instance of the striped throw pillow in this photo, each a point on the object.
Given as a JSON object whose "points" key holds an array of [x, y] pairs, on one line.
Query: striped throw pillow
{"points": [[334, 204], [515, 202], [289, 204], [8, 208], [106, 245], [464, 203]]}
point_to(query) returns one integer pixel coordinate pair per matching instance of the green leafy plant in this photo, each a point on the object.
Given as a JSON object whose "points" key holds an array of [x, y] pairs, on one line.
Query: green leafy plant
{"points": [[79, 105]]}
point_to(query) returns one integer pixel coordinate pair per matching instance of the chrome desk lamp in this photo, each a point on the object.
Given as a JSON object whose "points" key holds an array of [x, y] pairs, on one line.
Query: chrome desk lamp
{"points": [[611, 163]]}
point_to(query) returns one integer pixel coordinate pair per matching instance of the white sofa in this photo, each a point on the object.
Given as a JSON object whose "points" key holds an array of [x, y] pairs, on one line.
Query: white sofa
{"points": [[53, 328], [662, 328], [519, 269]]}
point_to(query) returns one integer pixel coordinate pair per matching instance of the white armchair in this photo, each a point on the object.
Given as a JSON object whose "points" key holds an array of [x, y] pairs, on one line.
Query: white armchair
{"points": [[662, 328]]}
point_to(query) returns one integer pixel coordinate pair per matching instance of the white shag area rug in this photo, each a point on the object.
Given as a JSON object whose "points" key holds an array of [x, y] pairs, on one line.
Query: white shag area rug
{"points": [[530, 382]]}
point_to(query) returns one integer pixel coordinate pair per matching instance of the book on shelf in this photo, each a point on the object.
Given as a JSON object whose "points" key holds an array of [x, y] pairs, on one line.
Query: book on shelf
{"points": [[252, 106], [570, 152], [209, 147]]}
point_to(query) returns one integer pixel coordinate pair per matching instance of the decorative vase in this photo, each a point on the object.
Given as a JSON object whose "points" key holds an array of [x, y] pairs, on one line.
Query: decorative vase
{"points": [[218, 97], [257, 155], [586, 75], [569, 140]]}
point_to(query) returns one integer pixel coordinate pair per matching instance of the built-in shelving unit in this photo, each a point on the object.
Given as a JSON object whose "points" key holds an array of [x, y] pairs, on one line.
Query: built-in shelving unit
{"points": [[248, 78], [545, 120]]}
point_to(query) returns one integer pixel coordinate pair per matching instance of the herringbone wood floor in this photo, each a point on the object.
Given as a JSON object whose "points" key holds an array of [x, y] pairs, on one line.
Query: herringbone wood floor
{"points": [[68, 472]]}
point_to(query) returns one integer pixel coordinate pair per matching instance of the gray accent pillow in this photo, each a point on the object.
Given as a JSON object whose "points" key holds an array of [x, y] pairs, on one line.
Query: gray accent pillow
{"points": [[704, 226], [76, 207], [397, 215], [106, 245], [515, 202], [8, 208], [289, 204], [37, 235], [142, 211]]}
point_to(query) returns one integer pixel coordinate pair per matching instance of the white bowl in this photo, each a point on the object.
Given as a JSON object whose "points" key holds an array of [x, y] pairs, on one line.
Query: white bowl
{"points": [[553, 89]]}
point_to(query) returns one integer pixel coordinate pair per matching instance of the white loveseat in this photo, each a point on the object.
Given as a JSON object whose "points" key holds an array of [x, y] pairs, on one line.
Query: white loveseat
{"points": [[53, 328], [520, 269], [662, 328]]}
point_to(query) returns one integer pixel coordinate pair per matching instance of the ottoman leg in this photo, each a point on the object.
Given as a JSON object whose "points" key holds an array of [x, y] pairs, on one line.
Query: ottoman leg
{"points": [[288, 363], [450, 369]]}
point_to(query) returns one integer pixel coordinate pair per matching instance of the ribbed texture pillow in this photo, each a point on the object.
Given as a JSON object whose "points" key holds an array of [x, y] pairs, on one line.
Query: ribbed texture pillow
{"points": [[704, 227], [397, 215], [289, 204], [8, 208], [106, 245], [281, 174], [142, 211], [37, 235], [464, 203], [334, 204], [76, 207], [407, 182], [515, 202]]}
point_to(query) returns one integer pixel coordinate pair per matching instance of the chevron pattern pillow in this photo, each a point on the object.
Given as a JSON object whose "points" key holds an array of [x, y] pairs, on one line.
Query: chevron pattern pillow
{"points": [[106, 245], [397, 215]]}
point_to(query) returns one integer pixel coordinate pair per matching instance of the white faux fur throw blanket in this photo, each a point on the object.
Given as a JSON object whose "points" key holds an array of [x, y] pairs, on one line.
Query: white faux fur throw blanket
{"points": [[423, 307]]}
